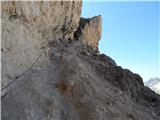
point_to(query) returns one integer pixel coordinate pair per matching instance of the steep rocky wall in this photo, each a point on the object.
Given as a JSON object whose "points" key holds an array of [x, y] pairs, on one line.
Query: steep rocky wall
{"points": [[27, 28], [62, 16]]}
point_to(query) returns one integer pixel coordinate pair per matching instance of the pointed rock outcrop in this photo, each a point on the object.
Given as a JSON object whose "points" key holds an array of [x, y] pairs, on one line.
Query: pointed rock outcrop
{"points": [[89, 31]]}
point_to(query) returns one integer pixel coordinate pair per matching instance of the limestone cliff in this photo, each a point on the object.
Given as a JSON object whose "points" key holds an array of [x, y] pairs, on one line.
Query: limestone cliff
{"points": [[52, 69], [27, 28]]}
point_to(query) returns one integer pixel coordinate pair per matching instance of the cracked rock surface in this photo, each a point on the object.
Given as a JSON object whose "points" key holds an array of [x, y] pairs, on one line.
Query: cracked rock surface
{"points": [[57, 71], [27, 28], [89, 31]]}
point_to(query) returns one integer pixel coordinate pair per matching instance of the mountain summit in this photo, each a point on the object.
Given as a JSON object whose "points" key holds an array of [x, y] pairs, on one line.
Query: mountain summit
{"points": [[52, 68], [154, 84]]}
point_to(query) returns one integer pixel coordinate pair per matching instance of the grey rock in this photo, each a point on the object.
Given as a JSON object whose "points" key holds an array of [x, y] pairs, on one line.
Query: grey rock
{"points": [[89, 31], [72, 85], [57, 78], [107, 59], [28, 27]]}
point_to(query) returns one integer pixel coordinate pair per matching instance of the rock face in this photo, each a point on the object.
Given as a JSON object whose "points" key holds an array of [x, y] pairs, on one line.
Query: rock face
{"points": [[56, 16], [57, 72], [89, 31], [27, 28]]}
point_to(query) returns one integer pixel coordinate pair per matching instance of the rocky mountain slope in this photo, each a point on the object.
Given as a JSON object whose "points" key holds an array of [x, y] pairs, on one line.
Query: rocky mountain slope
{"points": [[52, 69], [154, 84]]}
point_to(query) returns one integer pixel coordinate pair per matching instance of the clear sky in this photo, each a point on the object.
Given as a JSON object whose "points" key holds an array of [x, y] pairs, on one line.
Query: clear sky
{"points": [[130, 34]]}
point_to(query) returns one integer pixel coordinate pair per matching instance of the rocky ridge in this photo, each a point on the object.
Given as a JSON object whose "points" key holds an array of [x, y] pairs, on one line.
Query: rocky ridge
{"points": [[52, 69]]}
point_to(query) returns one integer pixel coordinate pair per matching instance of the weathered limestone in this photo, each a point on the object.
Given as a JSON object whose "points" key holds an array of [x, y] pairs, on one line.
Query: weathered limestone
{"points": [[90, 30], [58, 76], [54, 15], [27, 27]]}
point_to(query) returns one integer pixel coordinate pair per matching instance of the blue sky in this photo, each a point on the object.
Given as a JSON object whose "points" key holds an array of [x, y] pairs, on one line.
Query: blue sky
{"points": [[130, 34]]}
